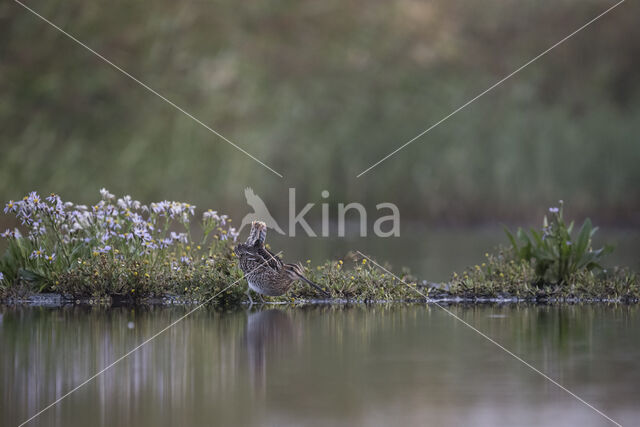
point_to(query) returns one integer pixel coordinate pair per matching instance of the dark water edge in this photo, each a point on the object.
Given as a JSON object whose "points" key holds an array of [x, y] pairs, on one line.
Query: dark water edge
{"points": [[59, 301]]}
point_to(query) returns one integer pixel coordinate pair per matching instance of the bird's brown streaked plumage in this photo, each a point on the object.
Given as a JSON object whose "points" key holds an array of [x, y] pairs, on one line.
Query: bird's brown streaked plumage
{"points": [[258, 232], [265, 272]]}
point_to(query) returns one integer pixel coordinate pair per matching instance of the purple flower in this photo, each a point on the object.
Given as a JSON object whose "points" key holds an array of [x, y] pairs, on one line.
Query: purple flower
{"points": [[55, 199], [554, 210], [142, 233], [149, 245], [38, 253], [160, 207], [33, 198], [10, 207]]}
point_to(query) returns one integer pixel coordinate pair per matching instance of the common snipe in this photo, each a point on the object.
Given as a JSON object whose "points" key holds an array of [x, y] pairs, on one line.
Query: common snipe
{"points": [[265, 272]]}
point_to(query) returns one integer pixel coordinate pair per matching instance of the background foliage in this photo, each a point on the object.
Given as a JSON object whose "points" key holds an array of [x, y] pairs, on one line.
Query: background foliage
{"points": [[319, 91]]}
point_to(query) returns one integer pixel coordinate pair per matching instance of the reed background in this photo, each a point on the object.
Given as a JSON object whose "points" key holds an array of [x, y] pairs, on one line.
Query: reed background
{"points": [[320, 91]]}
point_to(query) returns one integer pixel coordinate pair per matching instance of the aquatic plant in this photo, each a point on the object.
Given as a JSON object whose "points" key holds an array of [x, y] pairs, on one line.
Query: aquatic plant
{"points": [[555, 254]]}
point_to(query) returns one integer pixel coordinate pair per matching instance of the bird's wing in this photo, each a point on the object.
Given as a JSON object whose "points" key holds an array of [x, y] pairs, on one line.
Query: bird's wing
{"points": [[269, 257], [259, 254]]}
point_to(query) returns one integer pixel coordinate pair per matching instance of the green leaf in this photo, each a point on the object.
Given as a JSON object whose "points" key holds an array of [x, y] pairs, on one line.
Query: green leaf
{"points": [[511, 238], [31, 277]]}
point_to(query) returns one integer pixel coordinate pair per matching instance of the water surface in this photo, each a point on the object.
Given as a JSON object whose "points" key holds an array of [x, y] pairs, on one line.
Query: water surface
{"points": [[401, 364]]}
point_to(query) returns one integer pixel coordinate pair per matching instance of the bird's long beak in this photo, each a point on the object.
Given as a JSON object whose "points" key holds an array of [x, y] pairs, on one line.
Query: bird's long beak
{"points": [[318, 288]]}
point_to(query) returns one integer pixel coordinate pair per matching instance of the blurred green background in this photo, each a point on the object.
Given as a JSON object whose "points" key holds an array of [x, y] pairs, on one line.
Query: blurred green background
{"points": [[320, 91]]}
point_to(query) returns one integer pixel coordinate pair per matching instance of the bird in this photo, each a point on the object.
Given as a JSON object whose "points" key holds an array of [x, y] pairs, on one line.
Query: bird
{"points": [[265, 272], [259, 211]]}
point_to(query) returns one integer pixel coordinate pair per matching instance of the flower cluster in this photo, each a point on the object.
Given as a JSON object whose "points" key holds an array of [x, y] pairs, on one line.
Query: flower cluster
{"points": [[57, 233], [212, 222]]}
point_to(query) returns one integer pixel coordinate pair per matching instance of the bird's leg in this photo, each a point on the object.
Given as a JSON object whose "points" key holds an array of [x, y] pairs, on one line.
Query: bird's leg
{"points": [[261, 298], [249, 296]]}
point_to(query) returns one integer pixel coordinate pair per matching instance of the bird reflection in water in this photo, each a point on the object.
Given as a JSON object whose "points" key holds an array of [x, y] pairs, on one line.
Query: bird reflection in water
{"points": [[269, 337]]}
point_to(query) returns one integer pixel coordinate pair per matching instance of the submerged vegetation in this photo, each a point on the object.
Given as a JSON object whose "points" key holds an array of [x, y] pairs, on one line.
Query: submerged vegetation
{"points": [[122, 249]]}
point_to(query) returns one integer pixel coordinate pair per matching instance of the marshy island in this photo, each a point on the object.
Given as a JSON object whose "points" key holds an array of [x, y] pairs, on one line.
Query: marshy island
{"points": [[123, 251]]}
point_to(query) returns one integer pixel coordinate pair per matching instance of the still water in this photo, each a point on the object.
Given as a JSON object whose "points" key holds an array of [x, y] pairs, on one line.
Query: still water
{"points": [[380, 365]]}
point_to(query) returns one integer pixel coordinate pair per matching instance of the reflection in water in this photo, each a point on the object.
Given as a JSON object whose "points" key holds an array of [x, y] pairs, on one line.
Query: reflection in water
{"points": [[401, 364], [269, 335]]}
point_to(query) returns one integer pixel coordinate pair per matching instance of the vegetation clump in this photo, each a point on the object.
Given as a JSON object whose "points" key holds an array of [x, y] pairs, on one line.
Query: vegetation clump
{"points": [[118, 247], [505, 275], [547, 265], [554, 252], [121, 249]]}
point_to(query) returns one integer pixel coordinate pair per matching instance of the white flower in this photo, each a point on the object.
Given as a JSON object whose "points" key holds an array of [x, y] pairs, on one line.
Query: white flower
{"points": [[179, 237], [125, 202], [210, 215], [233, 233], [106, 195]]}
